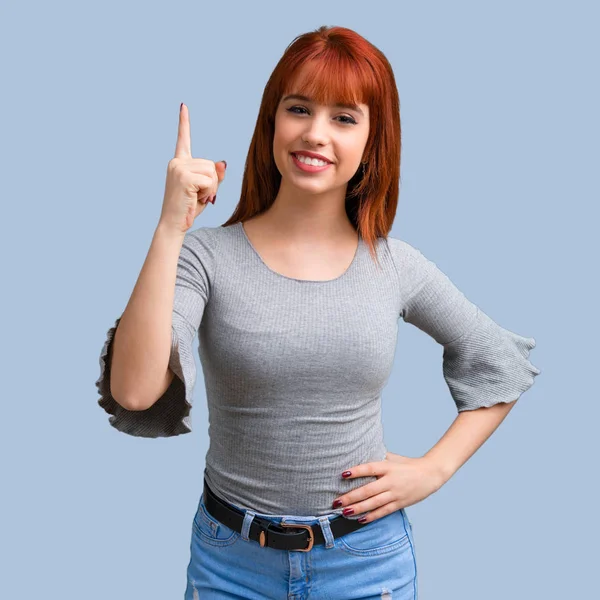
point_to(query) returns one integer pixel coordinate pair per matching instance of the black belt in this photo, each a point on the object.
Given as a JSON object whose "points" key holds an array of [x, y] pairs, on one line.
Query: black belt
{"points": [[273, 535]]}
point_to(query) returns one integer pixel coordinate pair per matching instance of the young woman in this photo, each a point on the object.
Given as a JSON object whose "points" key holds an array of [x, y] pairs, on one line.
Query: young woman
{"points": [[296, 300]]}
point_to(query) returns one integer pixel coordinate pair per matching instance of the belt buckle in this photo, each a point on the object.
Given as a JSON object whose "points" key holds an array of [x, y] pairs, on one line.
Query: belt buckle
{"points": [[311, 535]]}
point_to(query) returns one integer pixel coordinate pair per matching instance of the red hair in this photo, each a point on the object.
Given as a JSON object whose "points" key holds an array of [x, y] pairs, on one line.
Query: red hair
{"points": [[339, 66]]}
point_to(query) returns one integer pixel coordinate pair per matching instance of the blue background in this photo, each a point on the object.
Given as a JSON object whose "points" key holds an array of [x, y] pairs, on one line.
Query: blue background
{"points": [[499, 109]]}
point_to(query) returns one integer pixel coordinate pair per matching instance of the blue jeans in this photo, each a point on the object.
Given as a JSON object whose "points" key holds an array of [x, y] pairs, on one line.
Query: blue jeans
{"points": [[376, 561]]}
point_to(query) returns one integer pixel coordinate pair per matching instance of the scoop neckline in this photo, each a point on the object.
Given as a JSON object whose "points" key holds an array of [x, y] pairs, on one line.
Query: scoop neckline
{"points": [[350, 267]]}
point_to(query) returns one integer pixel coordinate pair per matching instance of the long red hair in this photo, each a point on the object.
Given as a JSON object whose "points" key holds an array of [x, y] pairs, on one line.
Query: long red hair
{"points": [[339, 66]]}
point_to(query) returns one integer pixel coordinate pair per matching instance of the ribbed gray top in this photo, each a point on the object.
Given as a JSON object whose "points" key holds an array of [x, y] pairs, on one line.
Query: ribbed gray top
{"points": [[294, 369]]}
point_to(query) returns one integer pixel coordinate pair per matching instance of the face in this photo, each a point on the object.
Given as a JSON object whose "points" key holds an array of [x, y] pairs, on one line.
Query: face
{"points": [[339, 133]]}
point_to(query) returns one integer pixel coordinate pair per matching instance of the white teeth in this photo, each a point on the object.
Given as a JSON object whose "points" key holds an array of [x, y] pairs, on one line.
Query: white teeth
{"points": [[315, 162]]}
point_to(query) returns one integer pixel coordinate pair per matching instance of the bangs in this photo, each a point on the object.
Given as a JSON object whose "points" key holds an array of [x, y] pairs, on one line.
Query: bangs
{"points": [[330, 78]]}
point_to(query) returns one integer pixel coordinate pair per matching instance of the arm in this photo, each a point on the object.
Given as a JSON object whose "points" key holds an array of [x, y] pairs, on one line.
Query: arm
{"points": [[156, 355], [483, 363], [486, 367], [465, 436], [142, 344]]}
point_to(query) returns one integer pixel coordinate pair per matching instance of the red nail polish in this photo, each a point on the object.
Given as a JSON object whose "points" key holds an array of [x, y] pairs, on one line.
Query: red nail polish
{"points": [[348, 511], [346, 474], [361, 519], [337, 504]]}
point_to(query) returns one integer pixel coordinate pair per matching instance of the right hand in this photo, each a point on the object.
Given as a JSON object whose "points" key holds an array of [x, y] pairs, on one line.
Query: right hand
{"points": [[191, 182]]}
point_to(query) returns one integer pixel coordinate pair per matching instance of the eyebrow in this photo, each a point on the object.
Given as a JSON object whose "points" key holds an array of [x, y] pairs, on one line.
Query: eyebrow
{"points": [[338, 104]]}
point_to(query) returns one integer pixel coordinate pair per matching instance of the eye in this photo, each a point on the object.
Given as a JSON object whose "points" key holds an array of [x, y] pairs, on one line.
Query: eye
{"points": [[292, 109], [349, 120]]}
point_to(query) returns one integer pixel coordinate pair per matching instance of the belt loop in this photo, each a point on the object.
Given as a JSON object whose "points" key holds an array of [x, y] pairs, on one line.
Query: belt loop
{"points": [[248, 518], [327, 533]]}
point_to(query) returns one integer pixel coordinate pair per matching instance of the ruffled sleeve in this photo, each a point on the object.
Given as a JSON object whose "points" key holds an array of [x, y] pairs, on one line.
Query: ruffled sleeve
{"points": [[483, 363], [170, 414]]}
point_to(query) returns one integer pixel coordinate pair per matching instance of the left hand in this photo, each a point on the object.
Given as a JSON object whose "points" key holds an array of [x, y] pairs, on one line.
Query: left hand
{"points": [[401, 481]]}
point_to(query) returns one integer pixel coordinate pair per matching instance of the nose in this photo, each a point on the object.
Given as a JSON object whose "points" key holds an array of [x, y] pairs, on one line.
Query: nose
{"points": [[316, 133]]}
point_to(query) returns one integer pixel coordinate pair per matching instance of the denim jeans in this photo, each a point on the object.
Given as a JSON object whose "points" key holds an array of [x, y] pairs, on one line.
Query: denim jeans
{"points": [[376, 561]]}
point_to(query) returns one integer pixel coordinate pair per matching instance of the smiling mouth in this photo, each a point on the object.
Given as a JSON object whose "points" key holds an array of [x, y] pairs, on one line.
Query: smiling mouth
{"points": [[297, 157]]}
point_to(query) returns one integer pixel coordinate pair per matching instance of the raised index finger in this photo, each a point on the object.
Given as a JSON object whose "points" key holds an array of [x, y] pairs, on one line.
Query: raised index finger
{"points": [[183, 148]]}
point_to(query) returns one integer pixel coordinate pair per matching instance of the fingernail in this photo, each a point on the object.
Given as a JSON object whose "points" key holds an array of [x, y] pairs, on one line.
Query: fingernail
{"points": [[337, 504], [225, 163], [348, 511], [214, 198], [346, 474], [181, 106], [361, 519]]}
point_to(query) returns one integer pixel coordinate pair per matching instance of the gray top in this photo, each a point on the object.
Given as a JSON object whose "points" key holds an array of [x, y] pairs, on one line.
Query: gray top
{"points": [[294, 369]]}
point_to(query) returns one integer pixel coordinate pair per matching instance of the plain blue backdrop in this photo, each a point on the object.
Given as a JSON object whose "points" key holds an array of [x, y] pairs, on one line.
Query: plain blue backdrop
{"points": [[499, 109]]}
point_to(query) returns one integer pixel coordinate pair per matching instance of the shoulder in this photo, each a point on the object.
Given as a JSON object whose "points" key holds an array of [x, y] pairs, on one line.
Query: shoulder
{"points": [[418, 274], [411, 265], [205, 240], [204, 235], [200, 249], [403, 252]]}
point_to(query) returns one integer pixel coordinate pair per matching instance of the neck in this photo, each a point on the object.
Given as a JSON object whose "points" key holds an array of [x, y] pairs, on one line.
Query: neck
{"points": [[319, 218]]}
